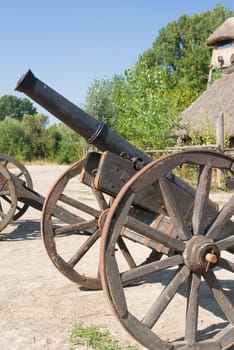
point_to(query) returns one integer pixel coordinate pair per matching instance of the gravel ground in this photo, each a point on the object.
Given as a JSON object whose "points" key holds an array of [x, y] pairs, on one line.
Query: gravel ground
{"points": [[39, 306]]}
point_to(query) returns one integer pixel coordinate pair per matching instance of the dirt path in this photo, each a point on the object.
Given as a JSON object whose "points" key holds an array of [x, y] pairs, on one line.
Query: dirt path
{"points": [[39, 306]]}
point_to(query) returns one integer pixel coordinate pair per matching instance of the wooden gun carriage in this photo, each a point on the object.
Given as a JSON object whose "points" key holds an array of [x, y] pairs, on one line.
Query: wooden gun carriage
{"points": [[143, 202]]}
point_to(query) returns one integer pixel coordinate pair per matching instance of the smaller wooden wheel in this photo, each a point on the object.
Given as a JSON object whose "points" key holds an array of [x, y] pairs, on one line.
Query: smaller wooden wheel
{"points": [[19, 171], [71, 223], [190, 303], [8, 197]]}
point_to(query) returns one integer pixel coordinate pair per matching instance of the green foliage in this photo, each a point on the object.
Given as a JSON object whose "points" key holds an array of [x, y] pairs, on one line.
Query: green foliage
{"points": [[14, 139], [14, 107], [180, 47], [92, 337], [216, 74], [29, 140], [69, 147], [145, 108], [34, 126], [54, 141], [99, 101], [166, 80]]}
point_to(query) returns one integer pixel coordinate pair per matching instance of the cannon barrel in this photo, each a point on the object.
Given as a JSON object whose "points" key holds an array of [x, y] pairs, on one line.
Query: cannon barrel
{"points": [[94, 131]]}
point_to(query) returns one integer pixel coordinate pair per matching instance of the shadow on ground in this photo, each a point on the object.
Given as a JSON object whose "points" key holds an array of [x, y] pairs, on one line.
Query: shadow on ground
{"points": [[24, 230]]}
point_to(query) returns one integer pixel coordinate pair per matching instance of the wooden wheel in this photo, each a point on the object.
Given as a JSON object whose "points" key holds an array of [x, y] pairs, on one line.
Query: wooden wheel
{"points": [[71, 222], [18, 170], [195, 278], [8, 197], [70, 227]]}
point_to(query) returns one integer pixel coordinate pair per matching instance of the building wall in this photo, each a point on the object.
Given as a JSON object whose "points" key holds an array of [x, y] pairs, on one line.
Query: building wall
{"points": [[223, 52]]}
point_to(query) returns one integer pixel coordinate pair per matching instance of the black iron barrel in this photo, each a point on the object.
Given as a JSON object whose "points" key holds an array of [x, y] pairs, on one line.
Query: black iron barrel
{"points": [[94, 131]]}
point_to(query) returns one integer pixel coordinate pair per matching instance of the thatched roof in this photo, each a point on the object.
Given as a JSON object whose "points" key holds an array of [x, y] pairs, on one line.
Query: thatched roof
{"points": [[218, 98], [223, 34]]}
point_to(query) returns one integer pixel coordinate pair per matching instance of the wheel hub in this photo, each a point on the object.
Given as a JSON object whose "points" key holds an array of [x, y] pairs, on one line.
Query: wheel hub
{"points": [[201, 254]]}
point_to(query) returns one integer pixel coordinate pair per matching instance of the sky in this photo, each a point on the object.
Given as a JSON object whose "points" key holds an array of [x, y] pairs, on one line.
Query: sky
{"points": [[69, 43]]}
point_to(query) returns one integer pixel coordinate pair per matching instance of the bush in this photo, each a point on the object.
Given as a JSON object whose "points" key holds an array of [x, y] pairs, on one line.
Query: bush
{"points": [[14, 139]]}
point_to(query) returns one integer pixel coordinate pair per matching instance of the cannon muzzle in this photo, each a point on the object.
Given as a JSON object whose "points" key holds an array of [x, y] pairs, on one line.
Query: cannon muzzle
{"points": [[94, 131]]}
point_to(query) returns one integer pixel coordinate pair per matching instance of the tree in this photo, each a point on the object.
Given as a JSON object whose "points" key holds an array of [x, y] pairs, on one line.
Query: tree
{"points": [[99, 101], [54, 141], [180, 47], [143, 100], [14, 139], [35, 127], [70, 147], [14, 107], [166, 79]]}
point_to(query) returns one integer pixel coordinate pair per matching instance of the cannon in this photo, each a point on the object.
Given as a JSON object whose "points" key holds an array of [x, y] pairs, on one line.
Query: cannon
{"points": [[104, 173], [183, 235]]}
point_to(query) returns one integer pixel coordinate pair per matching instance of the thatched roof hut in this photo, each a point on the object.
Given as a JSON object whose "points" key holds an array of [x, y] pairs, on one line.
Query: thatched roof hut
{"points": [[200, 117], [218, 98], [223, 34]]}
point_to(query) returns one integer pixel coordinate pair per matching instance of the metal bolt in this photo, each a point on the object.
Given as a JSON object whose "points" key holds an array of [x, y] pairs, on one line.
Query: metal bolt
{"points": [[211, 258]]}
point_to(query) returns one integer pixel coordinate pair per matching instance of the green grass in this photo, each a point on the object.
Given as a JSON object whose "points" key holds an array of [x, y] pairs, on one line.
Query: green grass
{"points": [[95, 339]]}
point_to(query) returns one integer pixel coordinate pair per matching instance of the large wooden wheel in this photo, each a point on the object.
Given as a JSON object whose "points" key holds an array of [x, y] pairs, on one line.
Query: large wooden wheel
{"points": [[8, 197], [71, 224], [19, 171], [194, 279]]}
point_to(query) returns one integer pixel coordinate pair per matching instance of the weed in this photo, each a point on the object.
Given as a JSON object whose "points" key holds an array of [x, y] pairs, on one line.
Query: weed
{"points": [[94, 338]]}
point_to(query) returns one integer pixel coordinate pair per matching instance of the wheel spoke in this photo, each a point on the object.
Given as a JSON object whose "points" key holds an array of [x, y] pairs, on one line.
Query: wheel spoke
{"points": [[125, 251], [219, 295], [223, 216], [84, 248], [225, 336], [79, 205], [20, 174], [18, 207], [201, 200], [5, 162], [73, 228], [3, 190], [2, 215], [6, 199], [165, 297], [100, 199], [226, 264], [225, 243], [152, 267], [65, 215], [192, 308], [154, 234], [4, 194], [173, 209], [202, 345]]}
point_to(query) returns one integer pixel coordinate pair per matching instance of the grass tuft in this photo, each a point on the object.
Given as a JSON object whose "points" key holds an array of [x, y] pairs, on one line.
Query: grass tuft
{"points": [[92, 337]]}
